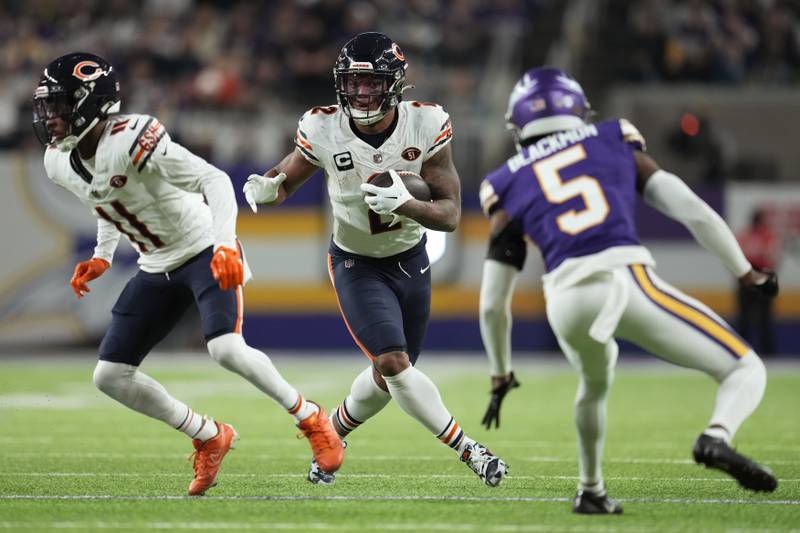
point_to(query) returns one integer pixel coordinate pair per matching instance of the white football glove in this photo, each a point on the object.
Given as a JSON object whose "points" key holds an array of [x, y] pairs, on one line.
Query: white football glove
{"points": [[385, 200], [262, 189]]}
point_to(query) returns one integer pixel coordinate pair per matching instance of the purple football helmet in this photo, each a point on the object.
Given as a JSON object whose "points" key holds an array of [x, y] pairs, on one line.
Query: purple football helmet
{"points": [[545, 100]]}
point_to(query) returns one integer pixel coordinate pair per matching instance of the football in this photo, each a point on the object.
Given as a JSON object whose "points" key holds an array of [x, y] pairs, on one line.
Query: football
{"points": [[414, 183]]}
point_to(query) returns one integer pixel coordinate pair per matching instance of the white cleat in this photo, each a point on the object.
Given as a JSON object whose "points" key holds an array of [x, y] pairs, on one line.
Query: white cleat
{"points": [[318, 476], [490, 468]]}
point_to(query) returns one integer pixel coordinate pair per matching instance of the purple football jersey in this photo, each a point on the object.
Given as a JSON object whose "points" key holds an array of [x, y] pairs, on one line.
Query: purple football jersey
{"points": [[573, 192]]}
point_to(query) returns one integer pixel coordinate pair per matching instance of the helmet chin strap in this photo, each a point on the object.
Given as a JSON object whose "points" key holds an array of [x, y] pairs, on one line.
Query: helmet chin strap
{"points": [[70, 142], [365, 119]]}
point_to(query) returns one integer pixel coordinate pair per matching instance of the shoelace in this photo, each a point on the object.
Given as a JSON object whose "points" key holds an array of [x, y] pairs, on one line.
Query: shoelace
{"points": [[193, 458], [195, 463]]}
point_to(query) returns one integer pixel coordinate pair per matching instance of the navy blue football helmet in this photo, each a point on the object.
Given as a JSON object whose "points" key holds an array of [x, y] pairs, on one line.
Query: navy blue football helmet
{"points": [[80, 88], [370, 60]]}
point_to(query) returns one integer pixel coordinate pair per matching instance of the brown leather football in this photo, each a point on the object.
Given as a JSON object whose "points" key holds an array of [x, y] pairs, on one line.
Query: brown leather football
{"points": [[413, 182]]}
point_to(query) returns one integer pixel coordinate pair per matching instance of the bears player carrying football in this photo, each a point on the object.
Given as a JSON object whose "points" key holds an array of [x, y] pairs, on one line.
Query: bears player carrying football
{"points": [[571, 189], [140, 183], [377, 262]]}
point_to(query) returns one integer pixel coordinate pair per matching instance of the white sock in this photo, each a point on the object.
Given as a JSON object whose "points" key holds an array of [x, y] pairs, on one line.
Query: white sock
{"points": [[197, 426], [255, 366], [135, 389], [416, 394], [365, 400], [597, 489], [302, 409], [737, 397], [590, 419]]}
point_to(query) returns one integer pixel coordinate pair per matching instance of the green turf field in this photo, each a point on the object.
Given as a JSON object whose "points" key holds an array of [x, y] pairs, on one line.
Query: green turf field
{"points": [[73, 459]]}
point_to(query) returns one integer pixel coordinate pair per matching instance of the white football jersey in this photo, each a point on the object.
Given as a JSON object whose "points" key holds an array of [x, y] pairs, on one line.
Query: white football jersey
{"points": [[325, 139], [143, 185]]}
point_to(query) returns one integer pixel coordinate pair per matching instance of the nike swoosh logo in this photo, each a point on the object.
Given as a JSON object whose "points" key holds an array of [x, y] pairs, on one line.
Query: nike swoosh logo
{"points": [[133, 127], [423, 270]]}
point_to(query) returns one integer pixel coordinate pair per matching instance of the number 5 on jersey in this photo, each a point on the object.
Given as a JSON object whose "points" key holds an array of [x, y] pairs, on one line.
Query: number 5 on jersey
{"points": [[557, 191]]}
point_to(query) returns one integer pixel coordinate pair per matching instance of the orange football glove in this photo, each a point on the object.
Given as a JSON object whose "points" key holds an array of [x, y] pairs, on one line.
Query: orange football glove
{"points": [[227, 268], [86, 271]]}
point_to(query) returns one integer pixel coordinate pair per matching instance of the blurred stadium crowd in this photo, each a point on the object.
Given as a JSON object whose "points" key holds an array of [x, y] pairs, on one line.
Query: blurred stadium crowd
{"points": [[231, 77], [726, 41], [236, 75]]}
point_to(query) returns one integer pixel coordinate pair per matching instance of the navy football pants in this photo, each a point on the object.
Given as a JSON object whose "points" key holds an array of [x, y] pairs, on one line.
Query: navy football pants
{"points": [[151, 304], [385, 302]]}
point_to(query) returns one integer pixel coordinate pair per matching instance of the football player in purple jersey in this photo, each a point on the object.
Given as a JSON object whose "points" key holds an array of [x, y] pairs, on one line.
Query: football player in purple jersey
{"points": [[571, 188]]}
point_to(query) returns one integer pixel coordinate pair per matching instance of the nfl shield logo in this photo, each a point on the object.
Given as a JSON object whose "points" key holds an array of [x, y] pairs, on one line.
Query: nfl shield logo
{"points": [[348, 263], [377, 158]]}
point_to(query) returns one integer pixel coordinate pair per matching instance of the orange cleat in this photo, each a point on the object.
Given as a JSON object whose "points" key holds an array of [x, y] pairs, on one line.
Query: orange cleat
{"points": [[325, 442], [208, 457]]}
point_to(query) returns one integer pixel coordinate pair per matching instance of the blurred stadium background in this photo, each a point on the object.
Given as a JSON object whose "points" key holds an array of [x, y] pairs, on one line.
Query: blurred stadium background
{"points": [[712, 84]]}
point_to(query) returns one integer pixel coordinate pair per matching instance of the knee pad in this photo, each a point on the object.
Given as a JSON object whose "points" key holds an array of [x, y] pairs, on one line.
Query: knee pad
{"points": [[594, 389], [111, 378], [753, 366], [225, 349]]}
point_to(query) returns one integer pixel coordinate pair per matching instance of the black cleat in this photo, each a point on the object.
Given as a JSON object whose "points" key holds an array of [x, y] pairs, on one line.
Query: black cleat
{"points": [[588, 503], [716, 453]]}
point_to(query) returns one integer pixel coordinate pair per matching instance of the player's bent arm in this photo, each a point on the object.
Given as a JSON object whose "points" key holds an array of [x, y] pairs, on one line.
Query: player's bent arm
{"points": [[444, 211], [667, 193], [107, 240], [183, 169], [297, 169]]}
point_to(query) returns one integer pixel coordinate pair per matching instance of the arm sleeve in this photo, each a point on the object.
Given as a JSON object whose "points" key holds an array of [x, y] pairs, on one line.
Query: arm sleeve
{"points": [[497, 289], [670, 195], [178, 166], [490, 200], [107, 240]]}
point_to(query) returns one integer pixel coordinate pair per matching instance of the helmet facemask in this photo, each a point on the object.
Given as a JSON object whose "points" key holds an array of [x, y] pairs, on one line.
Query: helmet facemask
{"points": [[55, 105], [367, 96]]}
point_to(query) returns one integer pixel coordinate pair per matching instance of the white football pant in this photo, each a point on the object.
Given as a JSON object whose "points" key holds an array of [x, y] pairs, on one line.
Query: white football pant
{"points": [[634, 304]]}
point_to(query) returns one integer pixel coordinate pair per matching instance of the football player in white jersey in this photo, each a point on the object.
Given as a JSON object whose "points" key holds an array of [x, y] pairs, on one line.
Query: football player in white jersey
{"points": [[139, 183], [377, 262]]}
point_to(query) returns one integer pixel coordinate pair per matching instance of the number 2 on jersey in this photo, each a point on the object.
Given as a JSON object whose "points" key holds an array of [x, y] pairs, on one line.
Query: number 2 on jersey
{"points": [[557, 191]]}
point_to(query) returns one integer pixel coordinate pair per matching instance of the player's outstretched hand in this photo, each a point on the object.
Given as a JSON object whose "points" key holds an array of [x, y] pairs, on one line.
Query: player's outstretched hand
{"points": [[86, 271], [227, 268], [385, 200], [262, 189], [499, 392], [762, 281]]}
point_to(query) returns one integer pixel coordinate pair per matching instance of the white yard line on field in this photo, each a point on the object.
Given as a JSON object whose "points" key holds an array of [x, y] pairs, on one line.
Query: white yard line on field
{"points": [[322, 526], [498, 499], [393, 458], [290, 475]]}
